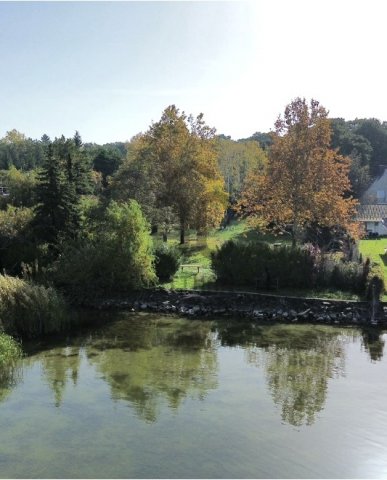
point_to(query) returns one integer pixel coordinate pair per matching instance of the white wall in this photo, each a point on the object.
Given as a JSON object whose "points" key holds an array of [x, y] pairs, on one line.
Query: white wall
{"points": [[379, 228]]}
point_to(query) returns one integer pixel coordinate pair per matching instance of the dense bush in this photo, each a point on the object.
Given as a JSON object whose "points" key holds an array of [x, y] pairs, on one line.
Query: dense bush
{"points": [[167, 261], [16, 239], [346, 276], [116, 258], [29, 310], [260, 265]]}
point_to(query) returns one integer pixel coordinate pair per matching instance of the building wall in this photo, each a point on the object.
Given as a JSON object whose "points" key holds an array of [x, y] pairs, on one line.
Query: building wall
{"points": [[376, 227]]}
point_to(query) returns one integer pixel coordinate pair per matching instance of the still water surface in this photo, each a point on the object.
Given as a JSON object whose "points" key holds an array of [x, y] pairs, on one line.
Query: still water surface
{"points": [[164, 397]]}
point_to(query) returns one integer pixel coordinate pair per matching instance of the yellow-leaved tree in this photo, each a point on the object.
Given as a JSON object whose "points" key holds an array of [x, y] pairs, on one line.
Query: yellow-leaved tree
{"points": [[174, 166], [306, 182]]}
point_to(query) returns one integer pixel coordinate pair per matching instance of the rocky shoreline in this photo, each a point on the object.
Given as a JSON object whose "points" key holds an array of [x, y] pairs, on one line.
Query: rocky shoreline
{"points": [[255, 306]]}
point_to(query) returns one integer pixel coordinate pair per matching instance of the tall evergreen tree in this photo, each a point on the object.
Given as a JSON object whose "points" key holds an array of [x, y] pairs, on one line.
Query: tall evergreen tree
{"points": [[81, 166], [57, 213]]}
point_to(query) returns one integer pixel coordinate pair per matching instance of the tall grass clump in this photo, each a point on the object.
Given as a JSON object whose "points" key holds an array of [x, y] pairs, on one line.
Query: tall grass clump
{"points": [[29, 310]]}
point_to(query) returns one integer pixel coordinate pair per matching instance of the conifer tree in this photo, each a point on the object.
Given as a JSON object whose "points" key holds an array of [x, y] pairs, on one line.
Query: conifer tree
{"points": [[57, 213]]}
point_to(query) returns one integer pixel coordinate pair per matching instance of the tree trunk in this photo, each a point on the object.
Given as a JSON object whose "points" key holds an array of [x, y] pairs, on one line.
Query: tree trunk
{"points": [[165, 238], [182, 235]]}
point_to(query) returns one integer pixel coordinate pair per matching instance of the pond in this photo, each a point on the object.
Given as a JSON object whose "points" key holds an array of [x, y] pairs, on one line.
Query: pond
{"points": [[146, 396]]}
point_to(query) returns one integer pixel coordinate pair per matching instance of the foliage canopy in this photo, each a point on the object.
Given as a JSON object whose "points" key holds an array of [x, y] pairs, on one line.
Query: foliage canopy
{"points": [[306, 182]]}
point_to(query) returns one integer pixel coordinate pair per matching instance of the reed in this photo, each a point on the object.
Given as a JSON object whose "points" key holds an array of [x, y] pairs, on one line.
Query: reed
{"points": [[29, 310]]}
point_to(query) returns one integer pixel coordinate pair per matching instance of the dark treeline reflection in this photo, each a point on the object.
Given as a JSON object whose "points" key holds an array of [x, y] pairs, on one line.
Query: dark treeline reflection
{"points": [[373, 342], [298, 362], [151, 362]]}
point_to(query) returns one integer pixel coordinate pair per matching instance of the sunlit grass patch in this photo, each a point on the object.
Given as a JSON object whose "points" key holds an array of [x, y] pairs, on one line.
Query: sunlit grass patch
{"points": [[374, 250], [197, 251]]}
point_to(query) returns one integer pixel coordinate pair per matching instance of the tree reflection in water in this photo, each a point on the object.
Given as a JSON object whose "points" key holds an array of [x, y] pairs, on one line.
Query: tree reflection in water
{"points": [[150, 362], [10, 376], [373, 342], [298, 361], [60, 366]]}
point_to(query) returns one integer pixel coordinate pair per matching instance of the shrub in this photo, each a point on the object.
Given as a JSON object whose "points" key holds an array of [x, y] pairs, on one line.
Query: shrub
{"points": [[16, 240], [167, 261], [258, 264], [29, 310], [375, 281], [118, 259], [347, 276], [10, 352]]}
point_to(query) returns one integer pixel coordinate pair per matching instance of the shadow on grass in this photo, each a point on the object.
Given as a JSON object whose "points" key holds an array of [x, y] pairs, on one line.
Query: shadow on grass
{"points": [[256, 236], [192, 249]]}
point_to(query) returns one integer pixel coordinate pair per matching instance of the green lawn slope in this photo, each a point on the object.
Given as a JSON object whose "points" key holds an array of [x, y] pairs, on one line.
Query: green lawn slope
{"points": [[197, 251]]}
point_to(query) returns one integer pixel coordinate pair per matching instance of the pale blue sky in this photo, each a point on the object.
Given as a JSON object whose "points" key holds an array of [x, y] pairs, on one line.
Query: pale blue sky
{"points": [[109, 69]]}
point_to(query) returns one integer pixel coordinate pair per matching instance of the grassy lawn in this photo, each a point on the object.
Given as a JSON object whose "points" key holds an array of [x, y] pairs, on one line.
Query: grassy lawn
{"points": [[374, 249], [197, 251]]}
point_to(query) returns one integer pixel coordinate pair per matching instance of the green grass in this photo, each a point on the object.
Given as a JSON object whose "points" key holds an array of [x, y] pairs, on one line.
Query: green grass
{"points": [[197, 250], [374, 250]]}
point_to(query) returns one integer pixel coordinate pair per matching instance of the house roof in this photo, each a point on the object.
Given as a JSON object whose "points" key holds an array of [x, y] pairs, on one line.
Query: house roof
{"points": [[371, 213]]}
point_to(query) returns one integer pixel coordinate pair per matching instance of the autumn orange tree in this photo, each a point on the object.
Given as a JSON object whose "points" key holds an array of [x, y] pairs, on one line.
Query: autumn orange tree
{"points": [[306, 182], [173, 166]]}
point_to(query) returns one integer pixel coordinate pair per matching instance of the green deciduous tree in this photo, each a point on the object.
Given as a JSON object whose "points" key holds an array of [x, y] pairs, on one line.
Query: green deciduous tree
{"points": [[376, 134], [21, 152], [106, 161], [358, 148], [117, 257], [16, 241], [236, 160], [20, 185]]}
